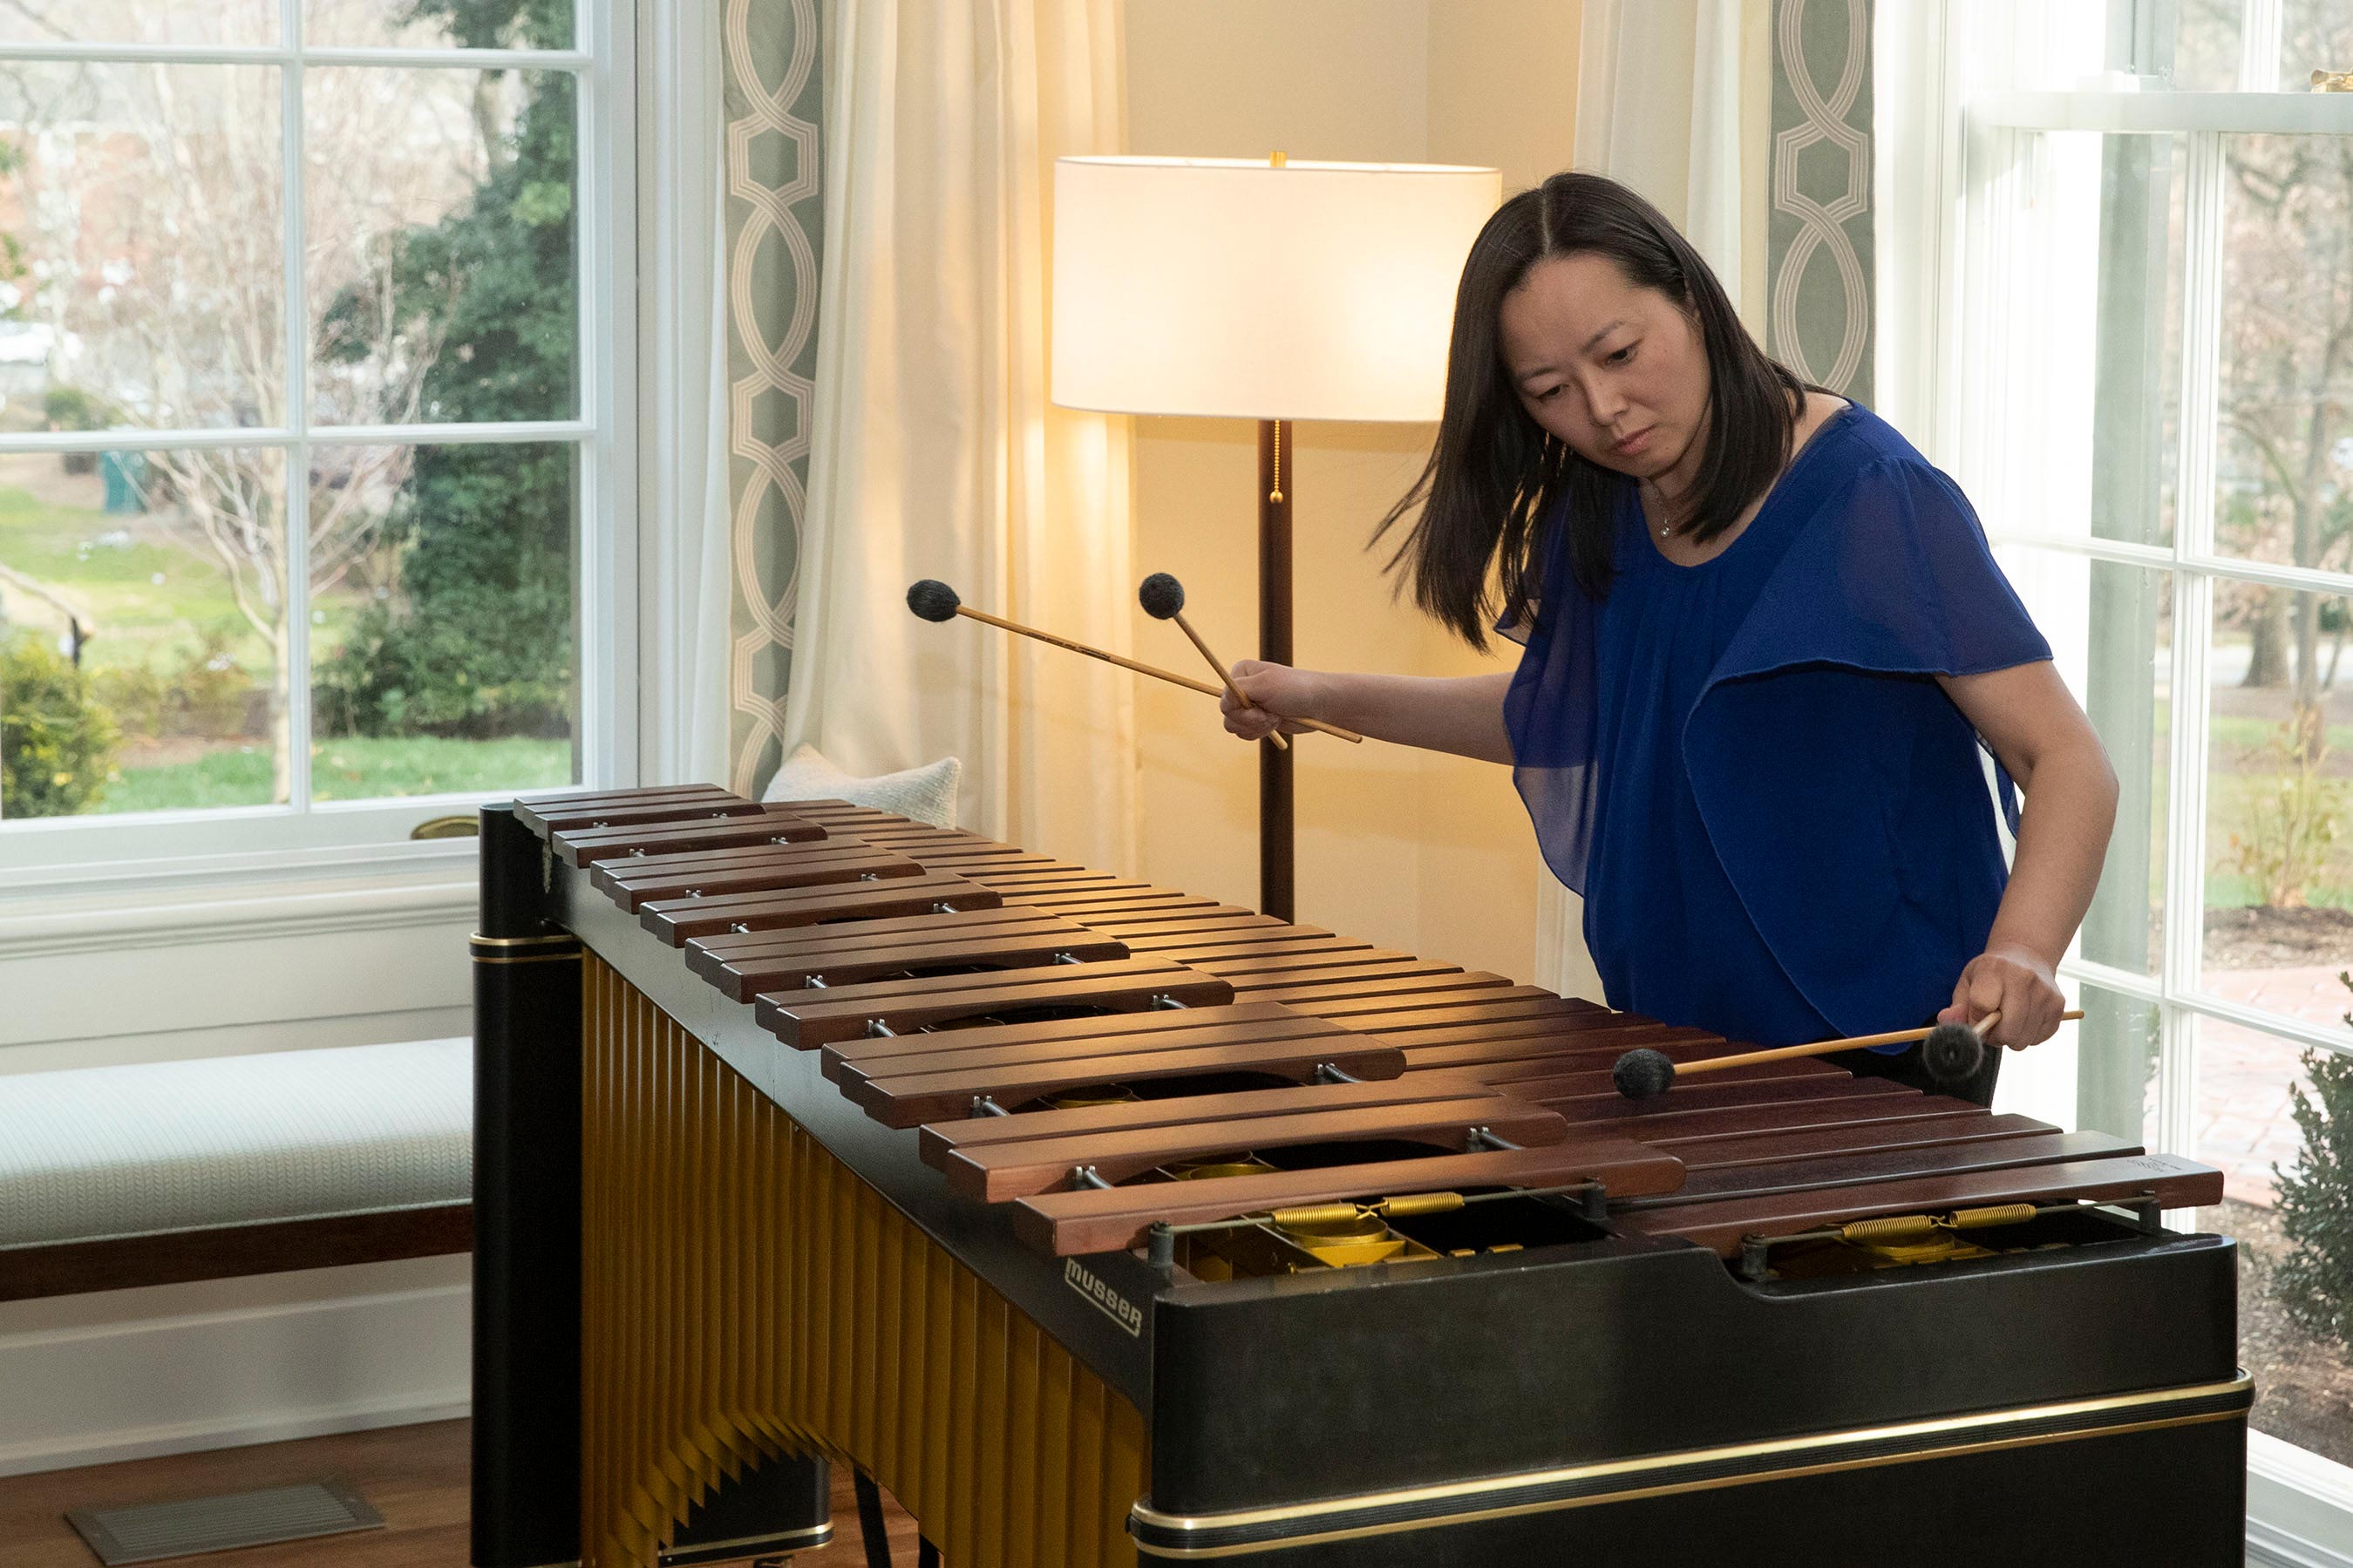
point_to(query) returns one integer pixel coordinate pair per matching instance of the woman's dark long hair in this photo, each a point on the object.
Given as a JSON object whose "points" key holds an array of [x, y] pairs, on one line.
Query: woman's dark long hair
{"points": [[1495, 475]]}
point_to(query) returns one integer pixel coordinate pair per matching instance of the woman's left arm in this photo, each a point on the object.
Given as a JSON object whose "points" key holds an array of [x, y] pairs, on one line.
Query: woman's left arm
{"points": [[2035, 726]]}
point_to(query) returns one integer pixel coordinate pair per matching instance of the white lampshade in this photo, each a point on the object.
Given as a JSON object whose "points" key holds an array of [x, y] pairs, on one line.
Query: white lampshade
{"points": [[1219, 286]]}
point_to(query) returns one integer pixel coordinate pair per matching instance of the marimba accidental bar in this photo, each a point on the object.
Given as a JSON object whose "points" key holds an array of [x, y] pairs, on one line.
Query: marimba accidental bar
{"points": [[1095, 1219]]}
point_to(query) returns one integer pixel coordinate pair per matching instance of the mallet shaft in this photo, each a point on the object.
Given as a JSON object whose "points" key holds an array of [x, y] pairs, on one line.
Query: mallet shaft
{"points": [[1169, 676], [1281, 744], [1823, 1047]]}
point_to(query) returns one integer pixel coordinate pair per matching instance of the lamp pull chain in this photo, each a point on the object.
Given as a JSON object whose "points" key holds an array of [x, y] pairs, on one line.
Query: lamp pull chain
{"points": [[1277, 159]]}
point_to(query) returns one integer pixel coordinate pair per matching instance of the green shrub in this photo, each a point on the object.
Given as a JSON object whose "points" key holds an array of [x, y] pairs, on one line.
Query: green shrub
{"points": [[2291, 823], [71, 408], [493, 665], [204, 692], [2314, 1280], [56, 743]]}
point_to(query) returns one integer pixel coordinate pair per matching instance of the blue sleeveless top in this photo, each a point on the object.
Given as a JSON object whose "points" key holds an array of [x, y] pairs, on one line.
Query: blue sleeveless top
{"points": [[1780, 825]]}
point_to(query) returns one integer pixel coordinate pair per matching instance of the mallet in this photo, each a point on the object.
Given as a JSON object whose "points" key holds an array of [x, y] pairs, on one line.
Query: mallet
{"points": [[935, 600], [1952, 1052], [1163, 598]]}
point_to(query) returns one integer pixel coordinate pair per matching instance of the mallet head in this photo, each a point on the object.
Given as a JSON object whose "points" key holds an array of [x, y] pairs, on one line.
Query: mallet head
{"points": [[1952, 1052], [1161, 595], [933, 600], [1643, 1074]]}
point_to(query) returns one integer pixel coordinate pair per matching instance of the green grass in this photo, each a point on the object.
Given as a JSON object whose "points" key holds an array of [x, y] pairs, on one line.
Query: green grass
{"points": [[425, 764], [153, 598], [2236, 742], [347, 770]]}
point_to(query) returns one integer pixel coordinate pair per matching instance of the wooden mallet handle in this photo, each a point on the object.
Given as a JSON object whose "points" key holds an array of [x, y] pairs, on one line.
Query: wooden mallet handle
{"points": [[1276, 736], [1280, 743], [1642, 1073], [1823, 1047], [1170, 676], [934, 601], [1163, 598]]}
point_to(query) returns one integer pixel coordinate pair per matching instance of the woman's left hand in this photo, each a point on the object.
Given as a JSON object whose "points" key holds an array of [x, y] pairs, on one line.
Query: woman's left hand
{"points": [[2017, 983]]}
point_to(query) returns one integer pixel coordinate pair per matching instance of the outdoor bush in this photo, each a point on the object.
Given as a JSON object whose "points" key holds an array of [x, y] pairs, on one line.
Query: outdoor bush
{"points": [[71, 408], [2314, 1280], [203, 692], [56, 743], [478, 641], [2292, 821], [499, 664]]}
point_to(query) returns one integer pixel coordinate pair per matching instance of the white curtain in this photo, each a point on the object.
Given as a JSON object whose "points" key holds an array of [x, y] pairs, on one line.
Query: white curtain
{"points": [[937, 453], [685, 594], [1673, 97], [704, 742]]}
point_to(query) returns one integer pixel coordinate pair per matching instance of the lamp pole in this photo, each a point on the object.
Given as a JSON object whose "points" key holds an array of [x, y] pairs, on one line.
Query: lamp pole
{"points": [[1275, 890]]}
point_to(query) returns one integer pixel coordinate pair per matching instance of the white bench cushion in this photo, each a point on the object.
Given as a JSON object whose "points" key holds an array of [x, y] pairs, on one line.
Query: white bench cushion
{"points": [[93, 1152], [927, 794]]}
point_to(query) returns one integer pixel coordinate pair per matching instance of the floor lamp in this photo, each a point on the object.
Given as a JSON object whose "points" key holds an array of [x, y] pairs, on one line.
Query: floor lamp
{"points": [[1274, 291]]}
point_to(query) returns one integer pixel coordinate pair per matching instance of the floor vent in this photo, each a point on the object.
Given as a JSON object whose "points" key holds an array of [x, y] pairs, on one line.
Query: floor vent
{"points": [[151, 1533]]}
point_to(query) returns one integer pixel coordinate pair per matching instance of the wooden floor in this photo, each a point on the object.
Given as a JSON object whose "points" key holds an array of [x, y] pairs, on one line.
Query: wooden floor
{"points": [[413, 1476]]}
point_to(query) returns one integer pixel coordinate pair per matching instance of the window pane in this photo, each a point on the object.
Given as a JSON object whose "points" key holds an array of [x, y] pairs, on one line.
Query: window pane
{"points": [[2126, 687], [2282, 1207], [2206, 46], [143, 283], [236, 21], [442, 271], [2115, 1065], [2283, 465], [2110, 628], [2279, 815], [2075, 433], [2315, 35], [443, 646], [2138, 475], [141, 631], [440, 23]]}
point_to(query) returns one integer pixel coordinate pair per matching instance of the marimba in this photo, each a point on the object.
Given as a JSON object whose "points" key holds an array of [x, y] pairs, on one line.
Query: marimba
{"points": [[1094, 1220]]}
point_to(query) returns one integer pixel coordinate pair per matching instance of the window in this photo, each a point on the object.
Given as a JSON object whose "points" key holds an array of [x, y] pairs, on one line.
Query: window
{"points": [[311, 489], [2150, 348]]}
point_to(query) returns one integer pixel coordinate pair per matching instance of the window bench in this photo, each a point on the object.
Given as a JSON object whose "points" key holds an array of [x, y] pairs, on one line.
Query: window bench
{"points": [[161, 1172]]}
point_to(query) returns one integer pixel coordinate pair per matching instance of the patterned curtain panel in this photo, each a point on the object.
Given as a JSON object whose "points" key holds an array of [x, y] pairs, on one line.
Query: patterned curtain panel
{"points": [[775, 222], [1819, 253]]}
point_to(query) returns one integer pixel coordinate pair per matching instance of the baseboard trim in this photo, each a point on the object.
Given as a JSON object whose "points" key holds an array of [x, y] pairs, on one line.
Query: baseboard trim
{"points": [[197, 1437], [2269, 1546], [225, 1364]]}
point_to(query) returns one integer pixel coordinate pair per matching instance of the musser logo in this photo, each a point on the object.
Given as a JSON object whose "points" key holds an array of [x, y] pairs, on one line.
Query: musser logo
{"points": [[1116, 1306]]}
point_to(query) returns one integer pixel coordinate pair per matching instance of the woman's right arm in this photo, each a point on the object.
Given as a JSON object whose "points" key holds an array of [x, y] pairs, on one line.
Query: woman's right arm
{"points": [[1461, 714]]}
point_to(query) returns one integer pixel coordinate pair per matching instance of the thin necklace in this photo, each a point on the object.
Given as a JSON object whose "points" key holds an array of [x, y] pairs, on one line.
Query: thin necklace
{"points": [[1666, 527]]}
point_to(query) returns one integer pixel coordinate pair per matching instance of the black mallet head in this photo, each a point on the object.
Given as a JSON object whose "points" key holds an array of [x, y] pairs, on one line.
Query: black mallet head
{"points": [[1161, 597], [1643, 1074], [934, 601], [1952, 1052]]}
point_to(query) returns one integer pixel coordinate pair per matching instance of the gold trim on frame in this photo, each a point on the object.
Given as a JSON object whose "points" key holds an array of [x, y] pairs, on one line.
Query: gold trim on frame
{"points": [[1632, 1469], [481, 940]]}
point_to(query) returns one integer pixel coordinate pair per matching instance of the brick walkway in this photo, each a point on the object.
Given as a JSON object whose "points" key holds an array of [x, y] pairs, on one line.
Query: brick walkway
{"points": [[2243, 1076]]}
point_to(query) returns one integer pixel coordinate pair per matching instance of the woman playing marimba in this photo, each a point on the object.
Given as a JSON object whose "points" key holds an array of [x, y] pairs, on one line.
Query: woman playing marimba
{"points": [[1762, 640]]}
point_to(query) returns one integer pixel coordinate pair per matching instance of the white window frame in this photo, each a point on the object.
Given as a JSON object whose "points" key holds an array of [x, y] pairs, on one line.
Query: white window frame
{"points": [[1942, 144], [137, 852]]}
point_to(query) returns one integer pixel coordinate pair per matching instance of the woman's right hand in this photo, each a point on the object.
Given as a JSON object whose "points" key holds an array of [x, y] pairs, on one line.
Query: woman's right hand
{"points": [[1279, 695]]}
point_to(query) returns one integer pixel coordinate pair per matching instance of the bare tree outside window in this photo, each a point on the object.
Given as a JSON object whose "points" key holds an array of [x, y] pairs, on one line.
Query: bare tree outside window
{"points": [[145, 286]]}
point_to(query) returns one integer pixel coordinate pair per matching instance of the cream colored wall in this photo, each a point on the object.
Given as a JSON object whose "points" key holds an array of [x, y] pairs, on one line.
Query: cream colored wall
{"points": [[1430, 854], [1503, 92]]}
